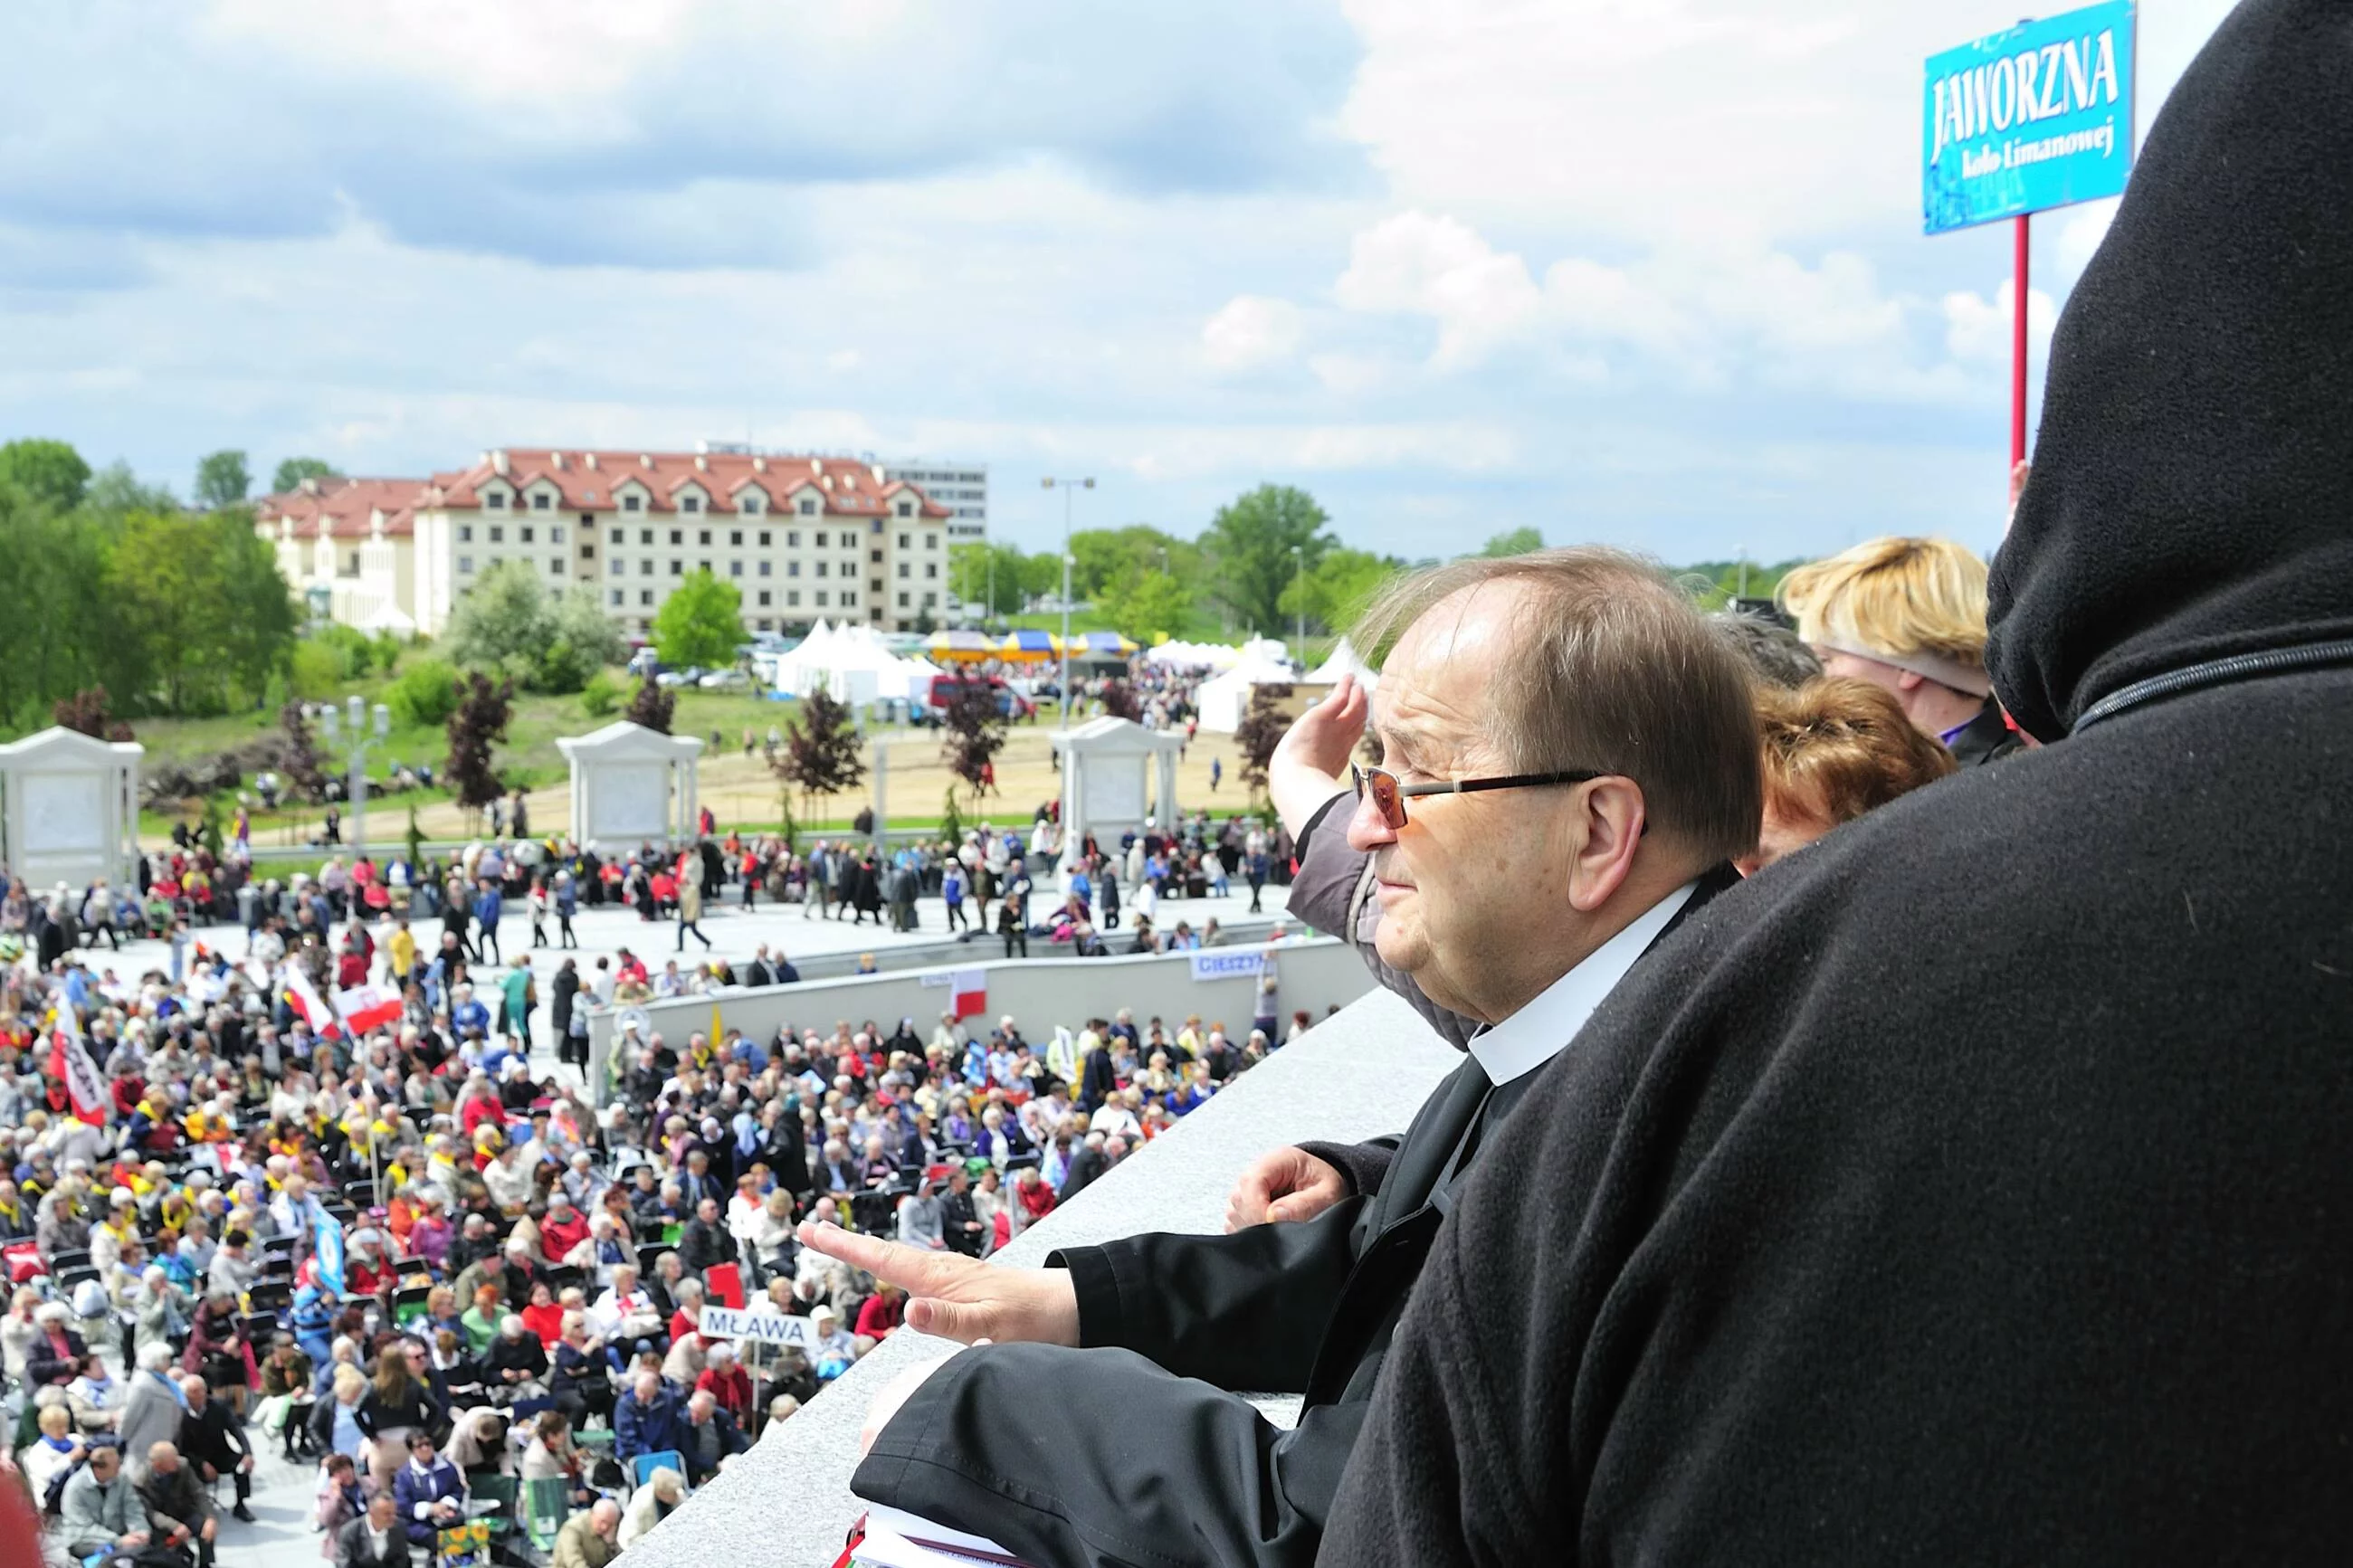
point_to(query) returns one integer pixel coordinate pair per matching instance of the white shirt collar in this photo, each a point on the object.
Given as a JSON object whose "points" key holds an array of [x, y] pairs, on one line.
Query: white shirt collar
{"points": [[1541, 1030]]}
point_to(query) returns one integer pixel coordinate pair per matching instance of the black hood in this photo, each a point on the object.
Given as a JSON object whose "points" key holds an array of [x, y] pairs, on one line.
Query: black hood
{"points": [[2192, 490]]}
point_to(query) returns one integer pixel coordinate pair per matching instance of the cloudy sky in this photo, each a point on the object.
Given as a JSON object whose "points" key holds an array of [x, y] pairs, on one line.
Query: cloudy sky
{"points": [[1646, 271]]}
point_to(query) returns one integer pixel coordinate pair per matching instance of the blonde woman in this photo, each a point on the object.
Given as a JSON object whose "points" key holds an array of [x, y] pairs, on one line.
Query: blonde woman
{"points": [[1909, 616]]}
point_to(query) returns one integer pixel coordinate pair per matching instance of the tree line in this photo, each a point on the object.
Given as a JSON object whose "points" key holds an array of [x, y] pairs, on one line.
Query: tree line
{"points": [[112, 583], [1267, 562]]}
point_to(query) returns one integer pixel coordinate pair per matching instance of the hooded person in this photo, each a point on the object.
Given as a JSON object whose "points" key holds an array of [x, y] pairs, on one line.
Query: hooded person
{"points": [[1805, 1253]]}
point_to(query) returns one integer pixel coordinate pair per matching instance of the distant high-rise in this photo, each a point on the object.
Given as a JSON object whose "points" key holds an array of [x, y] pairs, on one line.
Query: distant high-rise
{"points": [[962, 488]]}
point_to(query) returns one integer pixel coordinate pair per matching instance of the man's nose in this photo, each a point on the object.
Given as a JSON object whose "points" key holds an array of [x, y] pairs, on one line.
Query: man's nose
{"points": [[1367, 828]]}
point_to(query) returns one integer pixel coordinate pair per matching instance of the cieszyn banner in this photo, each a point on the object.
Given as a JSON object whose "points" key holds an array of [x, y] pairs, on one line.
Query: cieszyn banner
{"points": [[2035, 118]]}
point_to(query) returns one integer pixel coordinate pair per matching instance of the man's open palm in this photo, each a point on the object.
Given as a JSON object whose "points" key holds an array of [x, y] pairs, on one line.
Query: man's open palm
{"points": [[961, 1297]]}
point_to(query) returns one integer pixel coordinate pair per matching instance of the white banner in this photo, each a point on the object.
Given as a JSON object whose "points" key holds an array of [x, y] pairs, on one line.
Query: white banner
{"points": [[1219, 964], [769, 1327]]}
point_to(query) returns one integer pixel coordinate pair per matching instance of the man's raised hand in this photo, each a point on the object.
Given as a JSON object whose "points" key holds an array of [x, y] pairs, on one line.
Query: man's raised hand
{"points": [[1311, 763], [961, 1297]]}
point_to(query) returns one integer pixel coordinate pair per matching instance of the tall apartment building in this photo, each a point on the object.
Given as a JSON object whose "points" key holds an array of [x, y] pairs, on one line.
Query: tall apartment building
{"points": [[962, 488], [801, 538]]}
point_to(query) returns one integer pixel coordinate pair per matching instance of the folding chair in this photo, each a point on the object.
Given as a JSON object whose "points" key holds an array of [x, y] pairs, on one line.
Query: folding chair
{"points": [[567, 1276], [66, 1279], [259, 1327], [500, 1490], [545, 1506], [642, 1468], [409, 1304], [69, 1257], [271, 1296], [648, 1257]]}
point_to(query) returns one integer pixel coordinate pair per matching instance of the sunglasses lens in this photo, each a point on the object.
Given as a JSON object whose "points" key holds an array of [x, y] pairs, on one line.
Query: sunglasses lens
{"points": [[1386, 798]]}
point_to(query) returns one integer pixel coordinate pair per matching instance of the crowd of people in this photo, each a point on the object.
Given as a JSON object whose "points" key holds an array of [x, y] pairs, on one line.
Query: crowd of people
{"points": [[417, 1258]]}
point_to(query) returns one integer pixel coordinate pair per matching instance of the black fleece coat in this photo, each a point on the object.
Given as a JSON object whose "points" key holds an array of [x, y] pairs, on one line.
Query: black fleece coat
{"points": [[1971, 1186]]}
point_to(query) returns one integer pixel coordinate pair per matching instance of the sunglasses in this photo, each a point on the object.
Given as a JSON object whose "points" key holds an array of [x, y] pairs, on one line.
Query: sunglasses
{"points": [[1389, 795]]}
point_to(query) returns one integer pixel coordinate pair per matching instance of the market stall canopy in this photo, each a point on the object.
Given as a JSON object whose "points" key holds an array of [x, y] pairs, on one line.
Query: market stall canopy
{"points": [[1032, 647], [960, 648], [1101, 645]]}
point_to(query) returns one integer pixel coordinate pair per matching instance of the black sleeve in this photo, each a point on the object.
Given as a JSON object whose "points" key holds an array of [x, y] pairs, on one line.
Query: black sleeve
{"points": [[1099, 1457], [1245, 1310], [1362, 1165]]}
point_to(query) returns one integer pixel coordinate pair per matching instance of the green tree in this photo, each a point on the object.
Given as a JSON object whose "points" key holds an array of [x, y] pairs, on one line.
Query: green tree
{"points": [[581, 641], [971, 580], [1518, 542], [1104, 556], [117, 491], [200, 598], [701, 623], [426, 694], [51, 472], [1336, 592], [1145, 604], [293, 471], [1256, 546], [60, 620], [502, 625], [222, 480]]}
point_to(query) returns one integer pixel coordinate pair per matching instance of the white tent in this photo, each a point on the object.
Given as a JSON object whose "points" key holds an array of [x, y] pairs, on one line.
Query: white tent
{"points": [[1223, 699], [1193, 656], [1344, 661], [853, 666]]}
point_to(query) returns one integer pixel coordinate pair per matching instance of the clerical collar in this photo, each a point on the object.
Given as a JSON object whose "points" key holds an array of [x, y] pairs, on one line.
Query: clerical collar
{"points": [[1541, 1030]]}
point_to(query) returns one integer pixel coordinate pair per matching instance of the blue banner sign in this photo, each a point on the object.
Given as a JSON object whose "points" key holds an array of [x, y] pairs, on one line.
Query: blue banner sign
{"points": [[2037, 117]]}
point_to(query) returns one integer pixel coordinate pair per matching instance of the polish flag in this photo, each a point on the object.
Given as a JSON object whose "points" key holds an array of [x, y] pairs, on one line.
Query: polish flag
{"points": [[306, 1001], [968, 989], [69, 1061], [365, 1007]]}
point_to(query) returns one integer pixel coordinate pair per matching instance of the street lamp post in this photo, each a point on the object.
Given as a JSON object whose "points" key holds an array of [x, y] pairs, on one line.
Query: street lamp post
{"points": [[1069, 488], [360, 739]]}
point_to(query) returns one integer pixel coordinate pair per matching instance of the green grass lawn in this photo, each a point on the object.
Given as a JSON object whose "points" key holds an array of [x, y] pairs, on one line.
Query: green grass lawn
{"points": [[528, 758]]}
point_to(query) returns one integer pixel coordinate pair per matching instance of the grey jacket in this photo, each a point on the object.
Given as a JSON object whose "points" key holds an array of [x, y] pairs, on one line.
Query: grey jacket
{"points": [[91, 1513]]}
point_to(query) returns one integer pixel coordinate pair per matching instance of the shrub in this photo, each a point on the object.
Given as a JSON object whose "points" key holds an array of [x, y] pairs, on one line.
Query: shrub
{"points": [[425, 695], [317, 674], [601, 695]]}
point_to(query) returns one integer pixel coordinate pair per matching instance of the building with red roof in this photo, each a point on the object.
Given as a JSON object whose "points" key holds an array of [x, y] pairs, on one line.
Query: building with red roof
{"points": [[801, 538]]}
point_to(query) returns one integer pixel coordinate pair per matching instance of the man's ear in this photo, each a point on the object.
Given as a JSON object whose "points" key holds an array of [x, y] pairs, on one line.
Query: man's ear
{"points": [[1613, 816]]}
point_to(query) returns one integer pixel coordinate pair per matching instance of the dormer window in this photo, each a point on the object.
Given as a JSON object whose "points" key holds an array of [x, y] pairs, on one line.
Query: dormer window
{"points": [[751, 506], [496, 501], [633, 502], [541, 500], [906, 509], [808, 506], [690, 503]]}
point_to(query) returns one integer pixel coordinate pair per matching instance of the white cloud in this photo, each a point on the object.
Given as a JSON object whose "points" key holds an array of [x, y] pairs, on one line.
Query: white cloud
{"points": [[1979, 331], [1249, 333], [2081, 235]]}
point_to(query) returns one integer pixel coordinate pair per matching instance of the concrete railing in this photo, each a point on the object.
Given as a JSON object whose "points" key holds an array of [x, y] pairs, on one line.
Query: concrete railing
{"points": [[787, 1502], [1311, 973]]}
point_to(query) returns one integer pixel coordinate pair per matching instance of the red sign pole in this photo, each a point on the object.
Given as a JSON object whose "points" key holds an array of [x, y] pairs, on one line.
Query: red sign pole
{"points": [[2018, 353]]}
